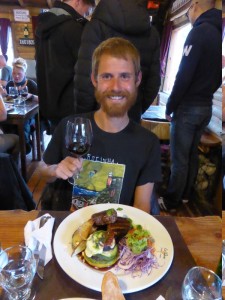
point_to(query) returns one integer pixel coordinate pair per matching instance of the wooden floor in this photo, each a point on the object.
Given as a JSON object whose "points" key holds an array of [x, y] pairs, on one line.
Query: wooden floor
{"points": [[36, 185]]}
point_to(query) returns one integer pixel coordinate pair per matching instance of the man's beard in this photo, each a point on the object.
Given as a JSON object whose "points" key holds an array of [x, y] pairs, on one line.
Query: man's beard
{"points": [[115, 109]]}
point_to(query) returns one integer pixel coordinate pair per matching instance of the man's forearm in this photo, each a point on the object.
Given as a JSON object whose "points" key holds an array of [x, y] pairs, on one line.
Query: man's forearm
{"points": [[48, 172], [142, 197]]}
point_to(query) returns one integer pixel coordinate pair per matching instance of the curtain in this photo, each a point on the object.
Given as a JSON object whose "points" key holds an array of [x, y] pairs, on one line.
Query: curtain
{"points": [[223, 28], [165, 43], [4, 35]]}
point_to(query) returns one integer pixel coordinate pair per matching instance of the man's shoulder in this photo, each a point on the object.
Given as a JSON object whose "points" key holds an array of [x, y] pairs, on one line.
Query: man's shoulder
{"points": [[204, 31]]}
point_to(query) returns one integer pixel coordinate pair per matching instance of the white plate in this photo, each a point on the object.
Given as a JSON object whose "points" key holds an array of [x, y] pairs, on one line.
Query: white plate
{"points": [[92, 278]]}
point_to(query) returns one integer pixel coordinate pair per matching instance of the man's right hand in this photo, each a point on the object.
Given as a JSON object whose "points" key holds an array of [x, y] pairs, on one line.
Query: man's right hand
{"points": [[68, 167]]}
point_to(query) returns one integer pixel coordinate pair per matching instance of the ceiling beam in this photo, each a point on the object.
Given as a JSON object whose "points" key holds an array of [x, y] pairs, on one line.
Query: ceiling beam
{"points": [[21, 3]]}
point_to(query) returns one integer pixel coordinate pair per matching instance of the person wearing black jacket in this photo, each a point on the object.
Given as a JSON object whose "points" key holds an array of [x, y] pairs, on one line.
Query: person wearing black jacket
{"points": [[57, 40], [189, 107], [119, 18]]}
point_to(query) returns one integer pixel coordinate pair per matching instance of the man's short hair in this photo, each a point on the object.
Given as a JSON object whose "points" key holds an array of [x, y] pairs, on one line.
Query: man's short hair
{"points": [[207, 4], [119, 48], [20, 63]]}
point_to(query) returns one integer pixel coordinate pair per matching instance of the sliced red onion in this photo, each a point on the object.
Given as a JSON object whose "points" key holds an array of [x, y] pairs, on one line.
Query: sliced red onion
{"points": [[137, 264]]}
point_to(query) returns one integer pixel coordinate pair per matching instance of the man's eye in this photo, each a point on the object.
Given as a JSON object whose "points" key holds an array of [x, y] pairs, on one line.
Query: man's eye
{"points": [[105, 77], [126, 76]]}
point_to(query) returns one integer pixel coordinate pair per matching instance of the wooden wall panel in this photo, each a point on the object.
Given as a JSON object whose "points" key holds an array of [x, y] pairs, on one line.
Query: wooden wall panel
{"points": [[27, 52]]}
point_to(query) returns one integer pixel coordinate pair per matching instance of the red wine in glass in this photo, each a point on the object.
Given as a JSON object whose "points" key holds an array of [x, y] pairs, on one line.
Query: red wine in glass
{"points": [[78, 138], [13, 92], [24, 92], [79, 149]]}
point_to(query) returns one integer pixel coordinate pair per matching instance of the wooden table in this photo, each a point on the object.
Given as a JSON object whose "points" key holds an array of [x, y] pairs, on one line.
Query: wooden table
{"points": [[154, 120], [18, 117], [201, 235]]}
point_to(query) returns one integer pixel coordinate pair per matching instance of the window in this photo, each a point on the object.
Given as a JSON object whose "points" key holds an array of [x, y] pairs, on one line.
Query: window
{"points": [[178, 38]]}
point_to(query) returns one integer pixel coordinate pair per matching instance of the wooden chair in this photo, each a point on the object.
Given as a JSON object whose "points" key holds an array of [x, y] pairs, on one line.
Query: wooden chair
{"points": [[160, 129]]}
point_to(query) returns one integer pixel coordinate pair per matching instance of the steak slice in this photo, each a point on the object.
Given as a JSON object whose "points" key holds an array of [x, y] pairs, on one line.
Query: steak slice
{"points": [[105, 217], [120, 227]]}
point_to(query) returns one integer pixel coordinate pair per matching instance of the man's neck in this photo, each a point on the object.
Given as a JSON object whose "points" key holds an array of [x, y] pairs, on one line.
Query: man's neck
{"points": [[110, 124]]}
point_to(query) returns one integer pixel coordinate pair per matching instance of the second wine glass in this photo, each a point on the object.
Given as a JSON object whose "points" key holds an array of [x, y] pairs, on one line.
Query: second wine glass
{"points": [[78, 138], [24, 92]]}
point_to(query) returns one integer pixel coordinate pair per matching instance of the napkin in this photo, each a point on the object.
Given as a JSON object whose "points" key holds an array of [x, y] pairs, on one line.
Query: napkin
{"points": [[33, 234]]}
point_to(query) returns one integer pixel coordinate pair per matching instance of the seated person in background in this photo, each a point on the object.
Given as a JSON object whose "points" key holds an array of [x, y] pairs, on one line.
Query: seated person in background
{"points": [[20, 81], [120, 147], [6, 71], [9, 143]]}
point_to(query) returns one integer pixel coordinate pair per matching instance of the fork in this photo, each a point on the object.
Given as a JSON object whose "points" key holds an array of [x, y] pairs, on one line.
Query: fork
{"points": [[36, 251]]}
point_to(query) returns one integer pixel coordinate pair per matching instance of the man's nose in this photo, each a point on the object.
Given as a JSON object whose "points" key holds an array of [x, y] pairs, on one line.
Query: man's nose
{"points": [[115, 83]]}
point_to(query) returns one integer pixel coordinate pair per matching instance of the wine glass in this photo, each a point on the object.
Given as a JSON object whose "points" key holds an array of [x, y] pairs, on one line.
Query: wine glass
{"points": [[24, 92], [13, 92], [78, 138], [201, 284], [17, 270]]}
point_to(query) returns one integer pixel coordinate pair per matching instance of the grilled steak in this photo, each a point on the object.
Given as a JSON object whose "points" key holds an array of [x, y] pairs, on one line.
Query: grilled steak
{"points": [[105, 217], [120, 227]]}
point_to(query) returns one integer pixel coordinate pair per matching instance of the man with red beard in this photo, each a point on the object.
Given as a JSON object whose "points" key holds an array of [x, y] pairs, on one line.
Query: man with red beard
{"points": [[120, 147]]}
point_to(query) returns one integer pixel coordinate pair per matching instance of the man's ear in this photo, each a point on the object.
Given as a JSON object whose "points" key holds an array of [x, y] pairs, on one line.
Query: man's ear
{"points": [[139, 78], [93, 80]]}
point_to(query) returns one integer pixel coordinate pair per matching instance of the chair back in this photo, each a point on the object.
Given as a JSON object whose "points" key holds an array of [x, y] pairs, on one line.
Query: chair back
{"points": [[161, 129]]}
